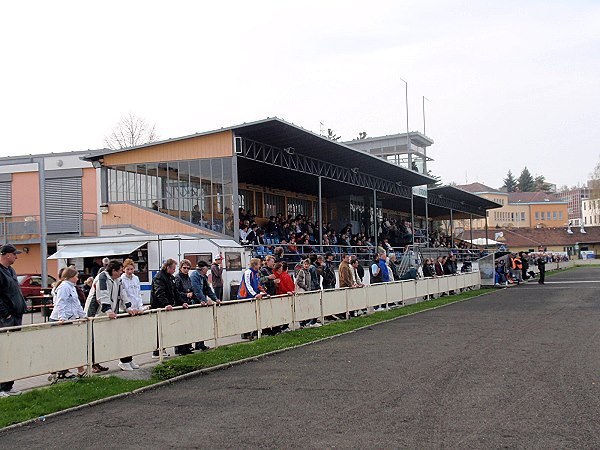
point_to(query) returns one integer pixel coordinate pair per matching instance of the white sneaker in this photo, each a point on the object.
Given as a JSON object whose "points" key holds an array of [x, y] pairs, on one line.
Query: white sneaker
{"points": [[316, 325], [125, 366], [134, 365], [4, 394], [165, 355]]}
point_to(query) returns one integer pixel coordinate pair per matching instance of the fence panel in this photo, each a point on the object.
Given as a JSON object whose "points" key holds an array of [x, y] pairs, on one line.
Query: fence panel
{"points": [[421, 287], [433, 285], [409, 291], [184, 326], [443, 284], [475, 279], [461, 280], [334, 301], [36, 350], [307, 305], [394, 291], [275, 311], [376, 295], [452, 284], [236, 317], [124, 336], [357, 298]]}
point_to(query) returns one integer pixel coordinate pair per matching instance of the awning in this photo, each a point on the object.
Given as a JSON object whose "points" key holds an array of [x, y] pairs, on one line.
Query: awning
{"points": [[104, 249]]}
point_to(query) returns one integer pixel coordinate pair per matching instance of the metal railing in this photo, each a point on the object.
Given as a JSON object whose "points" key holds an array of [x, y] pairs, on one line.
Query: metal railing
{"points": [[27, 228]]}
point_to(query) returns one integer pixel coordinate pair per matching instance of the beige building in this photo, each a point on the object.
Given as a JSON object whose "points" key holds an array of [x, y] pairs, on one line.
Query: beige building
{"points": [[590, 212], [519, 209]]}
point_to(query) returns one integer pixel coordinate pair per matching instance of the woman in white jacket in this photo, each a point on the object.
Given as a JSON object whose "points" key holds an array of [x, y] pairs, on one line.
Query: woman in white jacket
{"points": [[67, 308]]}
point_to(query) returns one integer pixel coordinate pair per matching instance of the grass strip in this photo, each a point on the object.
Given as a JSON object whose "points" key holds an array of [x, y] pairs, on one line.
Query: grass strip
{"points": [[37, 403], [236, 352], [40, 402]]}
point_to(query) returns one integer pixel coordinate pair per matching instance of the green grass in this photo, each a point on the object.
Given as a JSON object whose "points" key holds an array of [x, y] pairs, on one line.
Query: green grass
{"points": [[40, 402]]}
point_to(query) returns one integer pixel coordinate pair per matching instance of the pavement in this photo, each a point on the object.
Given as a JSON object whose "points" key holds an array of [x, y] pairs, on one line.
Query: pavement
{"points": [[514, 368]]}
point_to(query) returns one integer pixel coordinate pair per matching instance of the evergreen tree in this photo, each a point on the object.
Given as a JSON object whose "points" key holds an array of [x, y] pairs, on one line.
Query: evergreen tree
{"points": [[540, 184], [526, 183], [510, 183]]}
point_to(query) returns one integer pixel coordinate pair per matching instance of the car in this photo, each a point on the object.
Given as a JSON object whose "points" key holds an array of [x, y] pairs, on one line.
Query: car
{"points": [[31, 286]]}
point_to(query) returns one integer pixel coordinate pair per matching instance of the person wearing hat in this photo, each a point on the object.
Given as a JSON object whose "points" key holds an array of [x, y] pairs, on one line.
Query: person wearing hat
{"points": [[203, 292], [12, 303], [216, 273]]}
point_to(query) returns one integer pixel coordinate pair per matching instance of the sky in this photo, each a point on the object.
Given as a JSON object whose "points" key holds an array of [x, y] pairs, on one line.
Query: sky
{"points": [[508, 84]]}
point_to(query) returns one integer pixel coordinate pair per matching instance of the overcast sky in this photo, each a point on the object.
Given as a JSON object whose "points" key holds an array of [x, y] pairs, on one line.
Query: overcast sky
{"points": [[509, 83]]}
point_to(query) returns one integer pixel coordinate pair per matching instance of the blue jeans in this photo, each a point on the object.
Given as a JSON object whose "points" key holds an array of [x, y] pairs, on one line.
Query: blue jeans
{"points": [[4, 323]]}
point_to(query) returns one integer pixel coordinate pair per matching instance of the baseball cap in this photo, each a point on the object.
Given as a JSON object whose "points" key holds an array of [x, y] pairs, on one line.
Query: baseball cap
{"points": [[9, 248]]}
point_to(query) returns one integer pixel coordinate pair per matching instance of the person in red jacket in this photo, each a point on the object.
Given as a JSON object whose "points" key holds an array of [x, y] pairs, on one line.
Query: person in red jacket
{"points": [[286, 285]]}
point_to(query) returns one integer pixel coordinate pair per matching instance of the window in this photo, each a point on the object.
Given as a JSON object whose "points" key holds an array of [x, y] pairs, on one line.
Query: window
{"points": [[233, 261], [560, 215], [522, 216], [554, 215], [537, 215], [274, 204], [5, 196]]}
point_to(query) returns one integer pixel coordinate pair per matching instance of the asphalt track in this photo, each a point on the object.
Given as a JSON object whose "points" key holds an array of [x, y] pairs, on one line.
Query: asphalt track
{"points": [[518, 368]]}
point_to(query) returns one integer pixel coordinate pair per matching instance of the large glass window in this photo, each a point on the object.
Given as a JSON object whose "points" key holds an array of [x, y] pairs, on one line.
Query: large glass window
{"points": [[199, 191]]}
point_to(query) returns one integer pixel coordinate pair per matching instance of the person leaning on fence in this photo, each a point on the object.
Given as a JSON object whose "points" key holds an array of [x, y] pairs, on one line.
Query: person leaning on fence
{"points": [[12, 303], [286, 284], [394, 267], [203, 292], [303, 283], [327, 271], [131, 285], [250, 287], [67, 307], [185, 297], [164, 292], [107, 298]]}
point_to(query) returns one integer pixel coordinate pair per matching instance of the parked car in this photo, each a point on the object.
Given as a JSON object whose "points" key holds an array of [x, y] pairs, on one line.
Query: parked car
{"points": [[31, 286]]}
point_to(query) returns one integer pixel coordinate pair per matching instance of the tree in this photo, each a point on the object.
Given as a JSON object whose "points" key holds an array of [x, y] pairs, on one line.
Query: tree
{"points": [[540, 184], [526, 182], [331, 135], [437, 178], [131, 131], [594, 183], [362, 135], [510, 183]]}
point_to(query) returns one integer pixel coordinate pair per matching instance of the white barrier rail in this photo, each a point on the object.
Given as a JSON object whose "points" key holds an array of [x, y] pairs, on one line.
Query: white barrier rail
{"points": [[31, 350]]}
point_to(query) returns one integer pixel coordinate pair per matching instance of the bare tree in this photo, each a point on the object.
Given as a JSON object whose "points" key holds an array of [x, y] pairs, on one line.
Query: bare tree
{"points": [[131, 131], [594, 183]]}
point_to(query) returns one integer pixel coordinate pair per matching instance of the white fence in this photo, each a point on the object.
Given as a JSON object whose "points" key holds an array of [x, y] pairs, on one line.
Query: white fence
{"points": [[31, 350]]}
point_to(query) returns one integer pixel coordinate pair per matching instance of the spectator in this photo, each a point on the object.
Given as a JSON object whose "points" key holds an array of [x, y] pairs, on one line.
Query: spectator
{"points": [[356, 277], [131, 285], [315, 282], [216, 273], [328, 272], [164, 292], [267, 278], [87, 286], [67, 307], [378, 270], [250, 286], [541, 263], [303, 279], [344, 272], [394, 267], [286, 284], [185, 297], [12, 303], [428, 269], [203, 292], [110, 297]]}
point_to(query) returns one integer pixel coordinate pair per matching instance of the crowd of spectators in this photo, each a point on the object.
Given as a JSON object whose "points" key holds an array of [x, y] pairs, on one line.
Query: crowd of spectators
{"points": [[299, 235]]}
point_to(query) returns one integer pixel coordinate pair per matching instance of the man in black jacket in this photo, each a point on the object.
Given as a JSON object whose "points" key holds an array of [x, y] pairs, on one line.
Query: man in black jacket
{"points": [[12, 303], [164, 291]]}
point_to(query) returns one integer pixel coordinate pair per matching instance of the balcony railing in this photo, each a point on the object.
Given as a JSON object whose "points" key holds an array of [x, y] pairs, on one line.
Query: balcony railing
{"points": [[27, 228]]}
